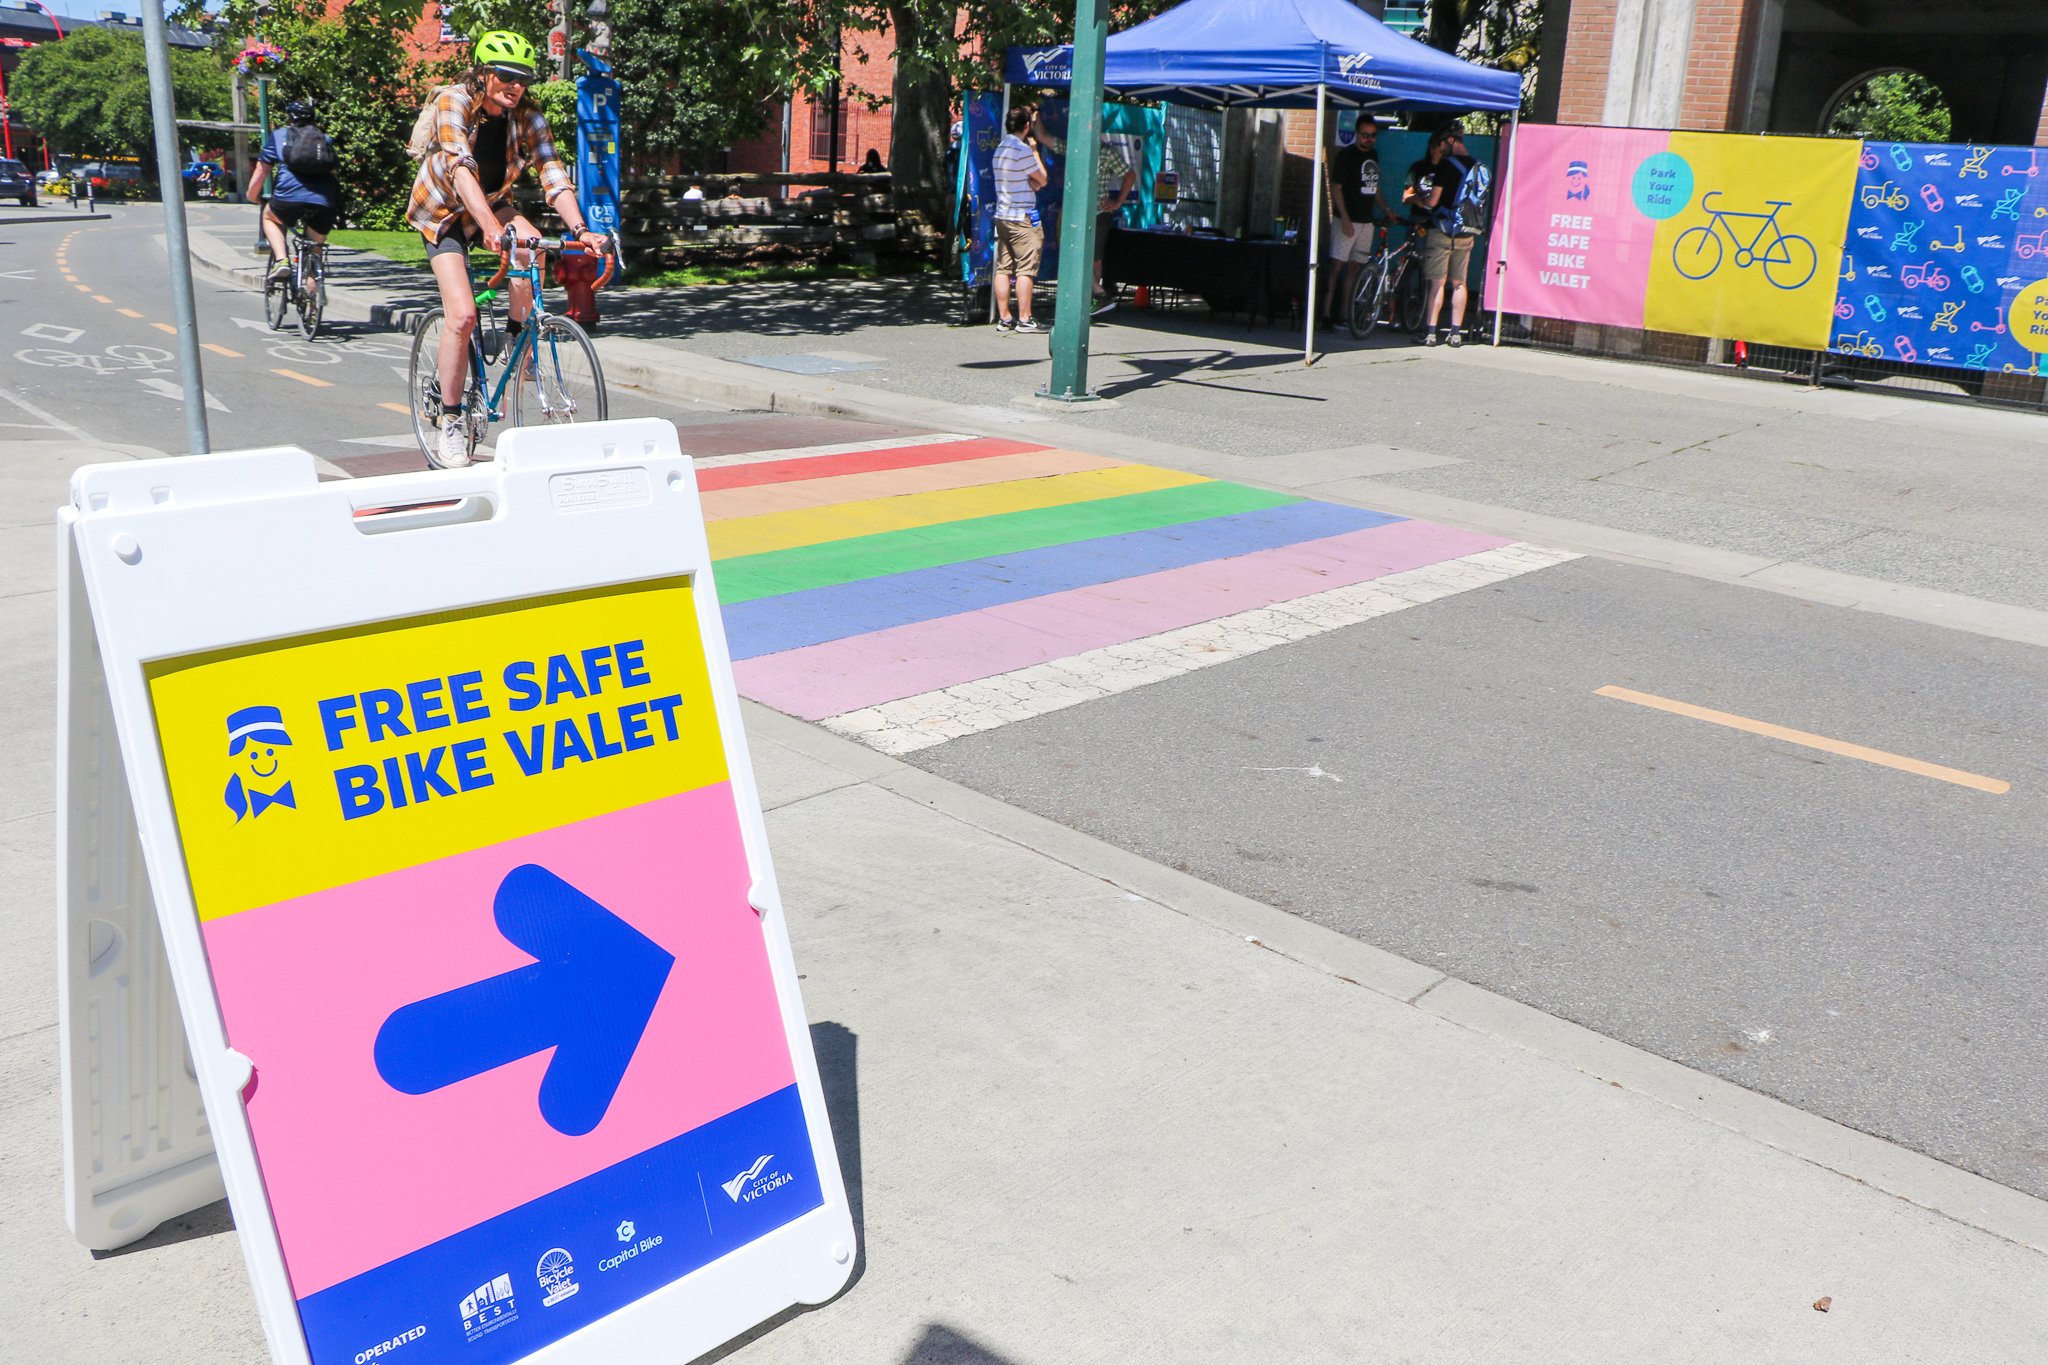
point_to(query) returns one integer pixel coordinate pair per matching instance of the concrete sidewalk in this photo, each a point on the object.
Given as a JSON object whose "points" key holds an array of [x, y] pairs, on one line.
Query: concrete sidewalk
{"points": [[1091, 1109]]}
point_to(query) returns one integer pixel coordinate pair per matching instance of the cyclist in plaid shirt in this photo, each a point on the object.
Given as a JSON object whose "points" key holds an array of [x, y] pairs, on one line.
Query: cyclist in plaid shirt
{"points": [[487, 131]]}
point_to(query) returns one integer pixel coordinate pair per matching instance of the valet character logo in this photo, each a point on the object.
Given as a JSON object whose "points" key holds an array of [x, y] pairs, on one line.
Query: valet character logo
{"points": [[1577, 183], [255, 734]]}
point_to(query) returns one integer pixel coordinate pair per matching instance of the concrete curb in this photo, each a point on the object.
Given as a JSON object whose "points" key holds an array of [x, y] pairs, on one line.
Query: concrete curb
{"points": [[1920, 1180], [670, 373], [60, 218]]}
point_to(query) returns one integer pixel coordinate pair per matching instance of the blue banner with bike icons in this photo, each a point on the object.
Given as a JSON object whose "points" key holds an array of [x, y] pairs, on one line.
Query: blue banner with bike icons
{"points": [[1943, 239]]}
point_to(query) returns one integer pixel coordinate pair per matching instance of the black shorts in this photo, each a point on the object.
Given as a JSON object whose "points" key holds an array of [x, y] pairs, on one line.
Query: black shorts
{"points": [[454, 238], [317, 217]]}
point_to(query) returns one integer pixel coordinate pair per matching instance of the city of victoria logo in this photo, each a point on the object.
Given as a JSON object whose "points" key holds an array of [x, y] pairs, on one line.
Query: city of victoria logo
{"points": [[755, 1181], [1051, 61], [1349, 64]]}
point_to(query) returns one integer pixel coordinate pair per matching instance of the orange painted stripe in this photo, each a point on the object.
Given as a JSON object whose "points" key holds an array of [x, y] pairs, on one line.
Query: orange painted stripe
{"points": [[101, 298], [1974, 781], [220, 350], [165, 327], [128, 312], [857, 462], [304, 378], [889, 483], [399, 408]]}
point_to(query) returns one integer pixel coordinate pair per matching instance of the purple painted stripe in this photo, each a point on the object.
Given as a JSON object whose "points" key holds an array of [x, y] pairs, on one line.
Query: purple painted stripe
{"points": [[845, 675]]}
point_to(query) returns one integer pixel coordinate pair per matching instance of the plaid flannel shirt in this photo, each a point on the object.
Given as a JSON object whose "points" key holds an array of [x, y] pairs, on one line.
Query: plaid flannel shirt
{"points": [[435, 203]]}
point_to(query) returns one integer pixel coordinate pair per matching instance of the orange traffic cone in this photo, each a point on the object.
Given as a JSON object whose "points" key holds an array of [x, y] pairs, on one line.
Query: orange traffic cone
{"points": [[1142, 298]]}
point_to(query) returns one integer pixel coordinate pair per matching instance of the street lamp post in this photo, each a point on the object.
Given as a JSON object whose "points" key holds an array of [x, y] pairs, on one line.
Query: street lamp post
{"points": [[163, 118], [1077, 209]]}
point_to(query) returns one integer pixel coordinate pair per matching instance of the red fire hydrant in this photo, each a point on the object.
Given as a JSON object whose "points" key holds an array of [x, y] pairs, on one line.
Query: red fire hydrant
{"points": [[577, 273]]}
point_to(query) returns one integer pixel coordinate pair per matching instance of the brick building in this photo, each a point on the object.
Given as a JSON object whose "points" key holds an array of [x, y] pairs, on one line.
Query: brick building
{"points": [[798, 134]]}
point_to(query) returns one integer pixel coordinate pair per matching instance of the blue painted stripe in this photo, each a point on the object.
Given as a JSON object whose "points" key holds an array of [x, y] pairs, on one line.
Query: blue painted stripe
{"points": [[770, 625], [681, 1218]]}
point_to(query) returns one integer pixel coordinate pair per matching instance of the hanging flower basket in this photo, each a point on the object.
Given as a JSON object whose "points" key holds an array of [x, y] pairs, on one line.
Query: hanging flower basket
{"points": [[260, 59]]}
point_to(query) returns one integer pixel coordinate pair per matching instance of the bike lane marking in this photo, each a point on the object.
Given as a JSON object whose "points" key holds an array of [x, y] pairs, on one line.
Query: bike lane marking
{"points": [[213, 346], [303, 378], [1843, 748], [128, 313]]}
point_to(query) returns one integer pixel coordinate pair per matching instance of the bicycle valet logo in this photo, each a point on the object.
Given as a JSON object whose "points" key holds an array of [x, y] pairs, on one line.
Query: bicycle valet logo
{"points": [[255, 734], [1788, 259], [488, 1307], [755, 1181], [556, 1273]]}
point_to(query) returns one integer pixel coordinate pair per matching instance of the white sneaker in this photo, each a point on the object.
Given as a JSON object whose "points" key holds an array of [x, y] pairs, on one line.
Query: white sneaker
{"points": [[454, 444]]}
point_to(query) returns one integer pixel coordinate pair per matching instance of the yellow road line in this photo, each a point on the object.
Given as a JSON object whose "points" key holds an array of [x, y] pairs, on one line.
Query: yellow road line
{"points": [[304, 378], [128, 312], [1811, 741], [83, 288], [216, 349], [101, 298], [165, 327], [399, 408]]}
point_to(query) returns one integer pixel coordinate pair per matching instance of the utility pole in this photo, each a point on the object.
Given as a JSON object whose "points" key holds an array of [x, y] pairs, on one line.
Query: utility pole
{"points": [[1077, 208], [157, 52]]}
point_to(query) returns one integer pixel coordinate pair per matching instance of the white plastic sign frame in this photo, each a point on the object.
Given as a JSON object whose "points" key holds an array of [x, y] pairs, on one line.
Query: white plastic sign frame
{"points": [[206, 1033]]}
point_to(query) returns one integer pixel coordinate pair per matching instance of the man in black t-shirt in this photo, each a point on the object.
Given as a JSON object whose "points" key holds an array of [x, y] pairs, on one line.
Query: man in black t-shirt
{"points": [[1431, 194], [1356, 201]]}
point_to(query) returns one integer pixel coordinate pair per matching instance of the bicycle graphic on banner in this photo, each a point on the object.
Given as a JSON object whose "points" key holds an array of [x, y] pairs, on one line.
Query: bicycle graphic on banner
{"points": [[1787, 258]]}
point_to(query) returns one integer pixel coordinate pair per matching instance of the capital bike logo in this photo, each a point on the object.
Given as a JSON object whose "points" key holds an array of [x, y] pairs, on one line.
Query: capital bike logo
{"points": [[755, 1181]]}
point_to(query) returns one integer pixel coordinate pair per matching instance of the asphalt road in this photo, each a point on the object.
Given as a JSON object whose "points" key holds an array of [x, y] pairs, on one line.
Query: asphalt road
{"points": [[1861, 941], [86, 329]]}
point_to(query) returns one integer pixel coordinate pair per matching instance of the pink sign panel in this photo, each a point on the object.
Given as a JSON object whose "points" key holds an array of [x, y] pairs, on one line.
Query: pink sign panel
{"points": [[1579, 245]]}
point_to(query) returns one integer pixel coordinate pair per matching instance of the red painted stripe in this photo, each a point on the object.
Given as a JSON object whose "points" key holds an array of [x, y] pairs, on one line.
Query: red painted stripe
{"points": [[861, 462]]}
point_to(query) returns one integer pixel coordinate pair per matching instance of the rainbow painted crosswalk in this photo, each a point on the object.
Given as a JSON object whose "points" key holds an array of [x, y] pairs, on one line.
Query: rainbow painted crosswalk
{"points": [[910, 592]]}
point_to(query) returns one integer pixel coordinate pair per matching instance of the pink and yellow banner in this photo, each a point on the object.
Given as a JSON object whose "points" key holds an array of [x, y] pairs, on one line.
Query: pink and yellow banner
{"points": [[1709, 234]]}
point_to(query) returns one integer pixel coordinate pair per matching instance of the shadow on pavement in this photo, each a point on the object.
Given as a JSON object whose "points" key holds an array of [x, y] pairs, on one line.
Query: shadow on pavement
{"points": [[210, 1221]]}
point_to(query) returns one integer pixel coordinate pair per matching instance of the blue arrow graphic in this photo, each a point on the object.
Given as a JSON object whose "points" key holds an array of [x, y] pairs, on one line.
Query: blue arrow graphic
{"points": [[588, 995]]}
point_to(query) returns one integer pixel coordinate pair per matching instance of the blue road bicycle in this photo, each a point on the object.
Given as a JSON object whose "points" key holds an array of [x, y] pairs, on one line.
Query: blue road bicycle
{"points": [[548, 376], [1787, 258]]}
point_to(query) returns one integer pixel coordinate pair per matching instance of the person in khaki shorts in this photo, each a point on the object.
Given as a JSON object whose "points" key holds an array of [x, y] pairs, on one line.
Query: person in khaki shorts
{"points": [[1431, 191], [1020, 237]]}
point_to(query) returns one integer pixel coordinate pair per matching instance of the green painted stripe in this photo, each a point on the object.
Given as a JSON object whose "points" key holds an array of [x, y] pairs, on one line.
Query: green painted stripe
{"points": [[746, 577]]}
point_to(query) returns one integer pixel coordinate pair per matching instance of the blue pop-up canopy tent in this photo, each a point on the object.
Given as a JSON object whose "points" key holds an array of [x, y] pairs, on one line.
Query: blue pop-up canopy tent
{"points": [[1279, 54]]}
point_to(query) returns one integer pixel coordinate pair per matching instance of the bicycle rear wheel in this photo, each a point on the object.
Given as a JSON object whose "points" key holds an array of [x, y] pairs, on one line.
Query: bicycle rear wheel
{"points": [[310, 294], [556, 377], [423, 391], [277, 298], [1410, 296]]}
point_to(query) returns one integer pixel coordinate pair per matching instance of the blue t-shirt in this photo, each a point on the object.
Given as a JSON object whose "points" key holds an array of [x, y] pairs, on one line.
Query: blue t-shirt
{"points": [[287, 188]]}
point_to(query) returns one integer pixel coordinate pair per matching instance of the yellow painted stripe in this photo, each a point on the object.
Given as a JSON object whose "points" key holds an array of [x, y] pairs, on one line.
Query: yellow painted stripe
{"points": [[128, 312], [396, 407], [846, 520], [83, 288], [728, 504], [216, 349], [101, 298], [1811, 741], [165, 327], [304, 378]]}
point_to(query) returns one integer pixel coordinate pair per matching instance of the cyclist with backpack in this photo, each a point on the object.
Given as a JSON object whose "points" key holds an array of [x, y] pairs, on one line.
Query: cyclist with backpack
{"points": [[307, 191], [1447, 193], [474, 139]]}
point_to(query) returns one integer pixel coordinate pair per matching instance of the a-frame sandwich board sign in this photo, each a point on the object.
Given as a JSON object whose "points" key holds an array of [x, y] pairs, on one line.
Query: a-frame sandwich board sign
{"points": [[415, 891]]}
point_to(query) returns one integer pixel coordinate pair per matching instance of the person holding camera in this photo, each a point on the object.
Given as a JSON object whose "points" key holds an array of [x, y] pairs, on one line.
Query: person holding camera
{"points": [[1020, 233]]}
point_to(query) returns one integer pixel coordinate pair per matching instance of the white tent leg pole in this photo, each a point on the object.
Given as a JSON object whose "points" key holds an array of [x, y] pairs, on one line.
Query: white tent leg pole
{"points": [[1507, 185], [1315, 225], [1002, 127]]}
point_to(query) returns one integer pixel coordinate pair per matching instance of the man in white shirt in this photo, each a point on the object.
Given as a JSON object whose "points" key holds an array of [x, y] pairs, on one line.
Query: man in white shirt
{"points": [[1020, 237]]}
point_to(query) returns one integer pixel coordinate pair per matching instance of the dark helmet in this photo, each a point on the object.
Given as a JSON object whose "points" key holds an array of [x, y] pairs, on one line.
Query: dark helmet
{"points": [[299, 111]]}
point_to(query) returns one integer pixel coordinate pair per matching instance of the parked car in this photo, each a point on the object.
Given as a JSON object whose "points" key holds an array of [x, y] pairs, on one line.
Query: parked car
{"points": [[16, 183], [116, 175], [49, 177]]}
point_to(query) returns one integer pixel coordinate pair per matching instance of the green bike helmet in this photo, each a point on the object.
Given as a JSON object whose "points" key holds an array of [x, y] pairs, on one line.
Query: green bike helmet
{"points": [[508, 54]]}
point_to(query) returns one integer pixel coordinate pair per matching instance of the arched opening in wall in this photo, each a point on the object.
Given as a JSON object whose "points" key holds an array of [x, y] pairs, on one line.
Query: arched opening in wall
{"points": [[1896, 104]]}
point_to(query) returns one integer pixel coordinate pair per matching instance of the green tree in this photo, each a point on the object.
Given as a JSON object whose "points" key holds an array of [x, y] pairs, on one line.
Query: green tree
{"points": [[90, 93], [356, 68], [1507, 34], [1894, 106]]}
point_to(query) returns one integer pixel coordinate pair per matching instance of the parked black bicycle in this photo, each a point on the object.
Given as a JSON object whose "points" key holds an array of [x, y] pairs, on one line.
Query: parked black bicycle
{"points": [[1389, 289]]}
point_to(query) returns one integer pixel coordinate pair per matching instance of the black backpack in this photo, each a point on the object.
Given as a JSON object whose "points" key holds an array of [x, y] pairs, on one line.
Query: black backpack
{"points": [[308, 154]]}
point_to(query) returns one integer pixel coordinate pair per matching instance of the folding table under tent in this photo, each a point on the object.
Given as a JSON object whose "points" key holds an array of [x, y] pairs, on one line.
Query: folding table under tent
{"points": [[1280, 54]]}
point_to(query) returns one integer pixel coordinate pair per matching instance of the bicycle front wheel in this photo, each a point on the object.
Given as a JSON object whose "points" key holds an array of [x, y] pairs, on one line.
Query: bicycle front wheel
{"points": [[1367, 301], [556, 378]]}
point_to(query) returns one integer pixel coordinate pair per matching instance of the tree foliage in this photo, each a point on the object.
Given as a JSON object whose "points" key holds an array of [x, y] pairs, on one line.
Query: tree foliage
{"points": [[90, 93], [1893, 106], [1507, 34]]}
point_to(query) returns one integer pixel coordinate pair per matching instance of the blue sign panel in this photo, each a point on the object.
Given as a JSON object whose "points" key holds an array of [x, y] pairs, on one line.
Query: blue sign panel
{"points": [[981, 128], [1941, 240], [597, 145]]}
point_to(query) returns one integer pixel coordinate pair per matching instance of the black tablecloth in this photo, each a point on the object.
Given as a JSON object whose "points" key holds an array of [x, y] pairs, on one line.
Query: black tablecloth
{"points": [[1264, 279]]}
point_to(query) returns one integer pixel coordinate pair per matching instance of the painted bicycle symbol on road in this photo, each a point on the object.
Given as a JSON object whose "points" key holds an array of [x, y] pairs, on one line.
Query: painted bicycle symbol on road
{"points": [[114, 360], [1787, 258]]}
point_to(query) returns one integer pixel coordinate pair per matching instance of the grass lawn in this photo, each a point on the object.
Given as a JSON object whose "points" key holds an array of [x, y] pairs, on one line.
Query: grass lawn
{"points": [[407, 247], [401, 245]]}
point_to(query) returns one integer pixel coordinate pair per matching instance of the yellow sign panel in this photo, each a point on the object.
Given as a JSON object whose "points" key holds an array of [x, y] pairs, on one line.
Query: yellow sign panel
{"points": [[303, 764], [1755, 253]]}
